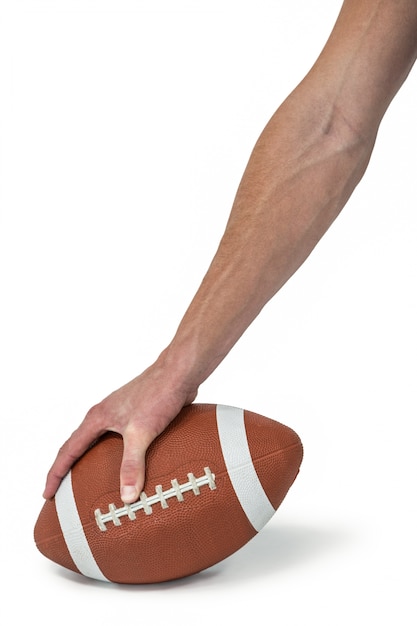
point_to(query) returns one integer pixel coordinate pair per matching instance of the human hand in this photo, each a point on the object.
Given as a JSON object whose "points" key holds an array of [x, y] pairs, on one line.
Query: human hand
{"points": [[139, 411]]}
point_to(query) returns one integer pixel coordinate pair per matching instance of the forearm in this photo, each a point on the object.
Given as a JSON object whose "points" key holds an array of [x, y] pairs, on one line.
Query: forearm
{"points": [[301, 173], [280, 213]]}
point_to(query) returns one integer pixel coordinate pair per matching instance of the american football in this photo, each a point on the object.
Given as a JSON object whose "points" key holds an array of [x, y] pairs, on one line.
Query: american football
{"points": [[214, 478]]}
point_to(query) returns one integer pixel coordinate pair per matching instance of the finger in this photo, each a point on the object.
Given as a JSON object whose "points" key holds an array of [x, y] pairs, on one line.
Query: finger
{"points": [[69, 453], [132, 469]]}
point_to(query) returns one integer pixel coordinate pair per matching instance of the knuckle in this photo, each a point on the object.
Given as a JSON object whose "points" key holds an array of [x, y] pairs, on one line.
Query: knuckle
{"points": [[96, 417], [131, 463]]}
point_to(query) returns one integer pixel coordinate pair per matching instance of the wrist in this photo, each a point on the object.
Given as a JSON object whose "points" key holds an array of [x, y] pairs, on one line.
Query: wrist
{"points": [[178, 372]]}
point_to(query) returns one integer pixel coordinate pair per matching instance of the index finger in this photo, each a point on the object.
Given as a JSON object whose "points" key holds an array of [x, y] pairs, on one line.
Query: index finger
{"points": [[79, 442]]}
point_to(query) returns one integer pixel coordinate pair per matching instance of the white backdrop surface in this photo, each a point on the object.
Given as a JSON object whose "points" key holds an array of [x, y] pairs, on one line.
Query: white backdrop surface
{"points": [[125, 127]]}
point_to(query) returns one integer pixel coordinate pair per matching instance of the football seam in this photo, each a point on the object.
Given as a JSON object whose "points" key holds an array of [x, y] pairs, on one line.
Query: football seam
{"points": [[160, 496]]}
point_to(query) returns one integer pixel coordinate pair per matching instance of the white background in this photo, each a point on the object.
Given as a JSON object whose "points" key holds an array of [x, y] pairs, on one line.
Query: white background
{"points": [[125, 127]]}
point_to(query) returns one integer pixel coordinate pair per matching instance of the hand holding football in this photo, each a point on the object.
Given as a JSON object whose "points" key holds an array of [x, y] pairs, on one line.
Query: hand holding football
{"points": [[214, 478]]}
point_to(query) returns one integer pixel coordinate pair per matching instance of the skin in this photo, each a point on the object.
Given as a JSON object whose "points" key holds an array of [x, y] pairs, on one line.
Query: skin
{"points": [[302, 171]]}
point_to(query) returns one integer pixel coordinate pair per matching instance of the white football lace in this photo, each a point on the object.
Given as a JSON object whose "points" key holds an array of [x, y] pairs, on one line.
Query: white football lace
{"points": [[145, 502]]}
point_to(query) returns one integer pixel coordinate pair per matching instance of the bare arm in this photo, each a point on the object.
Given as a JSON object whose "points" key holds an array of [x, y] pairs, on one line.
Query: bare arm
{"points": [[302, 171]]}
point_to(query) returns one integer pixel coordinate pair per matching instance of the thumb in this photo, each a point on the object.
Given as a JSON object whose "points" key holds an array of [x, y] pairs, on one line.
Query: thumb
{"points": [[132, 469]]}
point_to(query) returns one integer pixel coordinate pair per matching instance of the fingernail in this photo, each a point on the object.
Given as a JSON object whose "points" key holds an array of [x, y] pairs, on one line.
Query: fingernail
{"points": [[128, 494]]}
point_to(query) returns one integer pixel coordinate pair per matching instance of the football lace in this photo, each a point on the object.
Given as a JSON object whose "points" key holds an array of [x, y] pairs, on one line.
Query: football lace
{"points": [[145, 502]]}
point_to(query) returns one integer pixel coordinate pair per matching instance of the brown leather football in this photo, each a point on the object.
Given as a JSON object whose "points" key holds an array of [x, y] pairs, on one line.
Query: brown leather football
{"points": [[214, 478]]}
